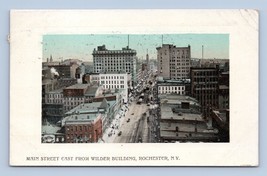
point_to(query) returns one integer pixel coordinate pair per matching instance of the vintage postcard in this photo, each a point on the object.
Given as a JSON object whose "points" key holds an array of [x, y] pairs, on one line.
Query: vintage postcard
{"points": [[157, 88]]}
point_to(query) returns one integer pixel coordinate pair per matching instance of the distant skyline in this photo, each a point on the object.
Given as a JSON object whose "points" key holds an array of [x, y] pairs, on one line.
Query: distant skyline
{"points": [[76, 46]]}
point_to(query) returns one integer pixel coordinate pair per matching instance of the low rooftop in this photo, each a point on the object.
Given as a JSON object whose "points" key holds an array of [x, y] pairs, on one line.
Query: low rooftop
{"points": [[56, 91], [177, 99], [91, 108], [167, 114], [114, 72], [80, 119], [91, 91], [78, 86]]}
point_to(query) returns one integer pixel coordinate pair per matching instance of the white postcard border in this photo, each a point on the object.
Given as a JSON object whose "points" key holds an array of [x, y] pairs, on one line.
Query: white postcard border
{"points": [[27, 28]]}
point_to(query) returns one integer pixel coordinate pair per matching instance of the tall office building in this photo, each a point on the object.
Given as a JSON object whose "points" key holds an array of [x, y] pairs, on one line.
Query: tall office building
{"points": [[115, 61], [205, 87], [174, 62]]}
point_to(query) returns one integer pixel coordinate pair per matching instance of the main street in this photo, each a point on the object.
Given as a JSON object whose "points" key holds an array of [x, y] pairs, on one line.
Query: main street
{"points": [[132, 124]]}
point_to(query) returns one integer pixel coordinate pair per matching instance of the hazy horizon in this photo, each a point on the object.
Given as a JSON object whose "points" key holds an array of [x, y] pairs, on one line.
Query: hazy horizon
{"points": [[76, 46]]}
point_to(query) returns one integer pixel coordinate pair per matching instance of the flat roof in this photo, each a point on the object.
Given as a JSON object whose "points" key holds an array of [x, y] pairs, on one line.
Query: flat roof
{"points": [[81, 118], [91, 90], [57, 91], [179, 113], [78, 86], [185, 135], [89, 108], [169, 115], [114, 72], [177, 99], [85, 108], [183, 127], [171, 83]]}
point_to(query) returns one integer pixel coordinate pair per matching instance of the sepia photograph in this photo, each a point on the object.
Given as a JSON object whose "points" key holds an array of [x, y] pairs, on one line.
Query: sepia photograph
{"points": [[106, 88], [150, 88]]}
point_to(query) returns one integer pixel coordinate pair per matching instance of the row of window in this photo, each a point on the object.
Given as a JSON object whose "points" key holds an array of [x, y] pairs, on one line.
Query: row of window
{"points": [[168, 92], [114, 64], [113, 68], [78, 128], [55, 95], [112, 82], [65, 99], [112, 77], [207, 79], [53, 101], [109, 60], [178, 57], [73, 98], [180, 71], [73, 103], [175, 52], [114, 86], [179, 76], [115, 61], [180, 61], [205, 73], [180, 67], [112, 53], [175, 64], [171, 88]]}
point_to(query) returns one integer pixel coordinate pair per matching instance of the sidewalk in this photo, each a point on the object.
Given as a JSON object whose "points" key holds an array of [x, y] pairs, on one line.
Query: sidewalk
{"points": [[116, 123]]}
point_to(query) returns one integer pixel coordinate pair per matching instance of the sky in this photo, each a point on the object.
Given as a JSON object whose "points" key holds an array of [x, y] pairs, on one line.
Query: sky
{"points": [[81, 46]]}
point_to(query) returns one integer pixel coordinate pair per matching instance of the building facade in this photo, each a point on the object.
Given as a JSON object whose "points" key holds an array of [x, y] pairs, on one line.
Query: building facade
{"points": [[115, 60], [174, 62], [170, 87], [205, 88], [86, 114], [181, 121], [74, 95], [80, 128], [116, 81]]}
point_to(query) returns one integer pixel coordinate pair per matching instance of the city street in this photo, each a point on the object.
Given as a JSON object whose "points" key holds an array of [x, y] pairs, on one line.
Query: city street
{"points": [[132, 124], [130, 127]]}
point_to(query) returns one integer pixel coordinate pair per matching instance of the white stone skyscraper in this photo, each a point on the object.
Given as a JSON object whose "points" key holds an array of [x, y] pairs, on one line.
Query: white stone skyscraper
{"points": [[115, 61]]}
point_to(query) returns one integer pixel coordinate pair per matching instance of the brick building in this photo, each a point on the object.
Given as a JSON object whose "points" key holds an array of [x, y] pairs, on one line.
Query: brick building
{"points": [[83, 128], [87, 122]]}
